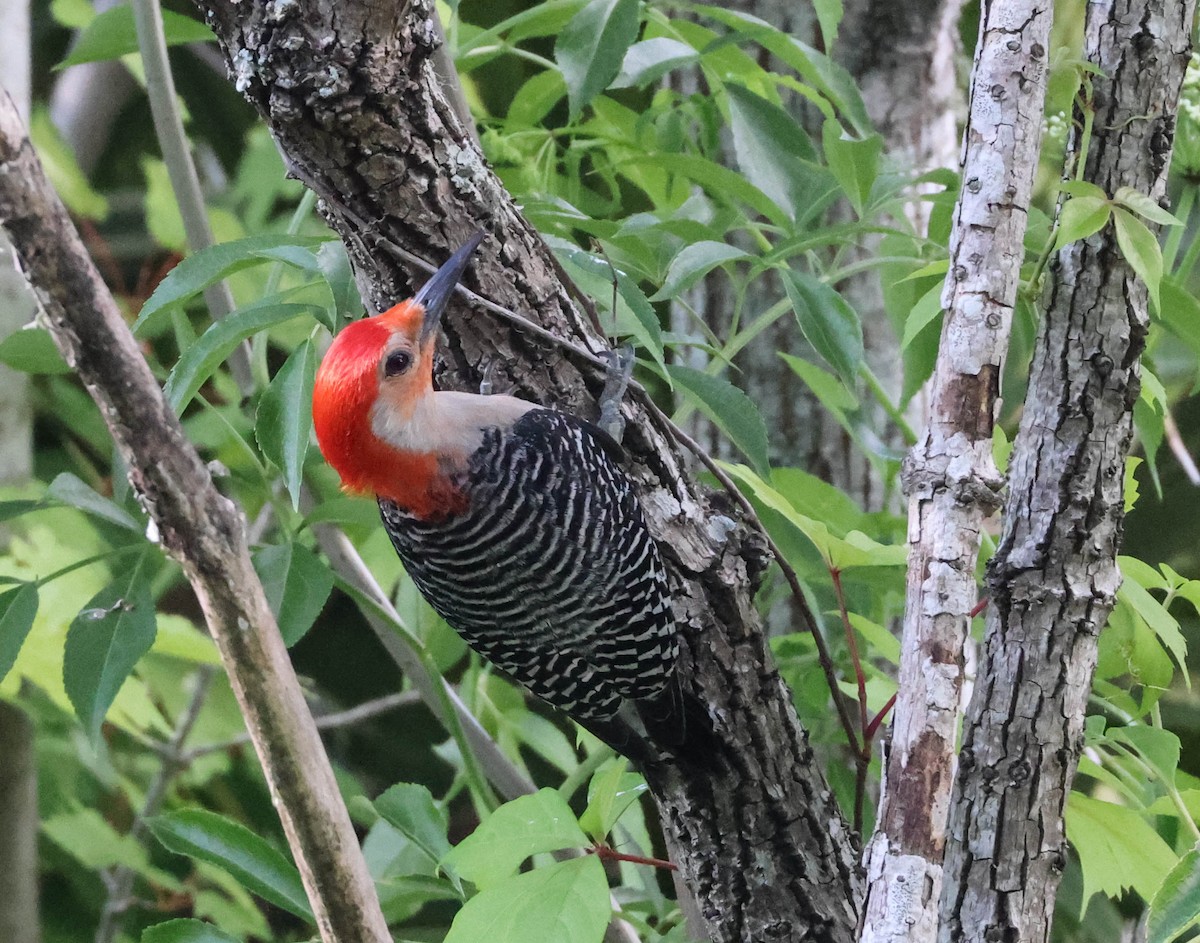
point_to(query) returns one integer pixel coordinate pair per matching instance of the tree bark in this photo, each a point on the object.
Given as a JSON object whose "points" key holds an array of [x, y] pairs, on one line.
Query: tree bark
{"points": [[202, 530], [1054, 576], [350, 94]]}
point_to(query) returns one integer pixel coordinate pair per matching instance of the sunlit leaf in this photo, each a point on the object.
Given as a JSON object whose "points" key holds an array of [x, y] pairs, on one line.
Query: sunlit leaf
{"points": [[1145, 207], [32, 351], [651, 59], [410, 809], [69, 489], [1141, 250], [1081, 216], [1117, 848], [525, 826], [566, 902], [854, 162]]}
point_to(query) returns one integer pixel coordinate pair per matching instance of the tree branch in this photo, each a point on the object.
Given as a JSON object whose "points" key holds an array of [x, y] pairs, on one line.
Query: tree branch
{"points": [[1054, 577], [950, 476], [202, 530]]}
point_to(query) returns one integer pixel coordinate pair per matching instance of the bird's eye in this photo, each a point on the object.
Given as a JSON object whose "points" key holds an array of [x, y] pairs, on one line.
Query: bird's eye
{"points": [[398, 362]]}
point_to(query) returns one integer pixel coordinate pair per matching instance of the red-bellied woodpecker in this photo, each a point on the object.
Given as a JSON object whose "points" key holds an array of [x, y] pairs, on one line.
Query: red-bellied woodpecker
{"points": [[515, 521]]}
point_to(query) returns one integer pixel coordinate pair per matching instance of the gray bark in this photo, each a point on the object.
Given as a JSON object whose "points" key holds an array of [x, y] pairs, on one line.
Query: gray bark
{"points": [[950, 475], [350, 94], [202, 530], [1054, 576]]}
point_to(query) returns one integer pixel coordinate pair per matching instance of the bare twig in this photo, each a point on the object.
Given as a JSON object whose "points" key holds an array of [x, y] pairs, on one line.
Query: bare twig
{"points": [[1179, 449], [118, 881], [346, 718]]}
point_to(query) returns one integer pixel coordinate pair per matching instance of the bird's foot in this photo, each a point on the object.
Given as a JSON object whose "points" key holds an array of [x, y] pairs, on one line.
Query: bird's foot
{"points": [[618, 372]]}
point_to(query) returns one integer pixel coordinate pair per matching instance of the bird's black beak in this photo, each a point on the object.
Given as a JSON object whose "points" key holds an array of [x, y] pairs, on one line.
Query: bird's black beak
{"points": [[436, 292]]}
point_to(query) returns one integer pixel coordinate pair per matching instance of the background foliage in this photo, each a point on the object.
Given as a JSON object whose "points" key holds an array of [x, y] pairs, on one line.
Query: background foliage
{"points": [[656, 145]]}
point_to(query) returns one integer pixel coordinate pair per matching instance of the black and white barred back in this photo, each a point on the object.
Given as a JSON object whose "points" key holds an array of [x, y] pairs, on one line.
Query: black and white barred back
{"points": [[551, 573]]}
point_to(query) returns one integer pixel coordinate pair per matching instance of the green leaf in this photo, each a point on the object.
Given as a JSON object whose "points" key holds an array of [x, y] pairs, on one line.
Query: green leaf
{"points": [[1081, 216], [566, 902], [283, 423], [31, 350], [651, 59], [854, 162], [776, 155], [112, 34], [410, 809], [733, 412], [923, 313], [1082, 188], [1117, 848], [1157, 747], [68, 489], [1164, 625], [297, 585], [525, 826], [600, 815], [62, 169], [694, 262], [828, 323], [1141, 251], [856, 549], [591, 48], [185, 930], [215, 839], [215, 345], [1145, 207], [18, 609], [104, 643], [334, 265], [209, 266], [880, 640], [719, 182], [829, 15], [1175, 906]]}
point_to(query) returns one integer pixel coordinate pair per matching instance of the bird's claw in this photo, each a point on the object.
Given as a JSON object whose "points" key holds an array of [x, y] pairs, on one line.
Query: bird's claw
{"points": [[618, 372]]}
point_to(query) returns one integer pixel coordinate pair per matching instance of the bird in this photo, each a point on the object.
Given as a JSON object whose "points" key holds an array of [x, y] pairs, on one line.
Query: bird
{"points": [[514, 520]]}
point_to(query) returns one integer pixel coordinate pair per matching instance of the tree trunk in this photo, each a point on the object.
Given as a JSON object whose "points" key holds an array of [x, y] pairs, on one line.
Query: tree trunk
{"points": [[351, 97], [1054, 576]]}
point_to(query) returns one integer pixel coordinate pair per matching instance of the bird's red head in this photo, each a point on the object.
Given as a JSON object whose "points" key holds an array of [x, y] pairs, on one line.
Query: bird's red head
{"points": [[375, 374]]}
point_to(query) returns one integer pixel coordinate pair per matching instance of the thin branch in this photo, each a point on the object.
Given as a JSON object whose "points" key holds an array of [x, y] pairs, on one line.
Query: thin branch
{"points": [[1179, 448], [118, 881], [346, 718], [181, 169]]}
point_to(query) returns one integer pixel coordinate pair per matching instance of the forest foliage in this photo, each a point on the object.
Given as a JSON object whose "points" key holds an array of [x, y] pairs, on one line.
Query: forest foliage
{"points": [[655, 145]]}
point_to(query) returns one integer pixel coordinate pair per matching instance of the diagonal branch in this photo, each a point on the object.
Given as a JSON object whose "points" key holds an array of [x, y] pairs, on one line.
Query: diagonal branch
{"points": [[202, 530]]}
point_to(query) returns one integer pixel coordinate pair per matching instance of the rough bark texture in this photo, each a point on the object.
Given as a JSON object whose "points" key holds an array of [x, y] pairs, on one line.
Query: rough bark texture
{"points": [[202, 530], [1054, 576], [19, 922], [950, 476], [350, 94]]}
